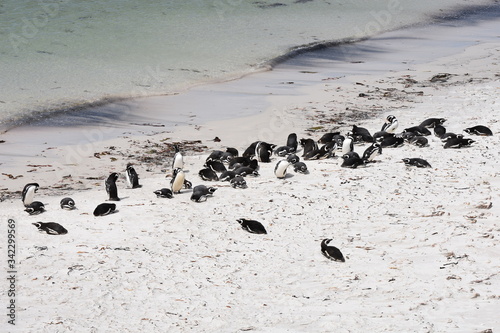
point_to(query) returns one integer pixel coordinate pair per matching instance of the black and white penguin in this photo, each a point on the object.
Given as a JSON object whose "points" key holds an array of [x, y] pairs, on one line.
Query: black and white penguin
{"points": [[177, 182], [419, 141], [35, 208], [178, 160], [348, 144], [361, 134], [111, 188], [216, 166], [227, 176], [392, 142], [252, 226], [328, 137], [371, 152], [283, 151], [233, 151], [458, 142], [418, 162], [280, 169], [432, 122], [132, 177], [263, 151], [439, 131], [390, 125], [28, 193], [308, 145], [449, 135], [250, 151], [339, 139], [104, 209], [201, 192], [379, 136], [238, 182], [330, 251], [50, 228], [164, 193], [216, 155], [246, 171], [418, 130], [292, 142], [67, 203], [293, 159], [317, 154], [352, 161], [239, 161], [479, 130], [208, 175], [300, 167], [187, 184]]}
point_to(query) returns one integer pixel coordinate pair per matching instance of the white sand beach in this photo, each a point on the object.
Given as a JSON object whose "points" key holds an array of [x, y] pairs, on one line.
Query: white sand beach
{"points": [[421, 244]]}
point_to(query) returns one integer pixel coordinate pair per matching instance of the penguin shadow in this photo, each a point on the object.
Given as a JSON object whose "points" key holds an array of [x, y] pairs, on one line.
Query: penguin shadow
{"points": [[288, 176]]}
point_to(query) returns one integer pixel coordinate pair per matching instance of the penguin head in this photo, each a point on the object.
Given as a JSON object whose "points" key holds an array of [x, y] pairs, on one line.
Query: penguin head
{"points": [[406, 160], [211, 190]]}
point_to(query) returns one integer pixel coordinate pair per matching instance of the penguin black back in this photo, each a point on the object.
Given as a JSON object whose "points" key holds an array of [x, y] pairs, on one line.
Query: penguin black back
{"points": [[50, 228], [252, 226], [111, 188], [331, 252]]}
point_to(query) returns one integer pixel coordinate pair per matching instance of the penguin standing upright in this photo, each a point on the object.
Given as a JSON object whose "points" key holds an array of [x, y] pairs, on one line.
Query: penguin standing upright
{"points": [[348, 144], [29, 193], [177, 181], [292, 142], [280, 169], [178, 161], [111, 188], [132, 177]]}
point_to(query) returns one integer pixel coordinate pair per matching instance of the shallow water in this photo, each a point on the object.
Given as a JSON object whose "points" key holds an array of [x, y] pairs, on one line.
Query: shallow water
{"points": [[58, 56]]}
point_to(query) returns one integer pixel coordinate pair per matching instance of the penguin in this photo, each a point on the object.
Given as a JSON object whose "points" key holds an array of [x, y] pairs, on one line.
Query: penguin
{"points": [[308, 145], [316, 154], [391, 142], [292, 159], [379, 136], [232, 151], [418, 162], [418, 130], [132, 177], [449, 135], [238, 182], [104, 209], [439, 131], [328, 137], [250, 151], [178, 160], [226, 157], [390, 125], [35, 208], [216, 166], [479, 130], [361, 134], [374, 150], [280, 169], [246, 171], [458, 142], [50, 228], [263, 152], [339, 139], [330, 251], [28, 193], [111, 187], [164, 193], [419, 141], [432, 122], [300, 167], [291, 142], [67, 203], [227, 176], [348, 144], [177, 181], [283, 151], [208, 174], [216, 155], [351, 161], [252, 226], [239, 161], [187, 184], [201, 192]]}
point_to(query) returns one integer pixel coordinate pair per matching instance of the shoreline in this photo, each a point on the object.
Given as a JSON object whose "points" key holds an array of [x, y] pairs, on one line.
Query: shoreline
{"points": [[421, 245]]}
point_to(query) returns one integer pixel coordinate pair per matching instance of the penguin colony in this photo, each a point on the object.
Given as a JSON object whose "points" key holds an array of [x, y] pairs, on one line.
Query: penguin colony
{"points": [[229, 166]]}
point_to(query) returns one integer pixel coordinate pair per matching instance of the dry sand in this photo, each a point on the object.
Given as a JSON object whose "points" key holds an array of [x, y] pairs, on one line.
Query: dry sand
{"points": [[421, 245]]}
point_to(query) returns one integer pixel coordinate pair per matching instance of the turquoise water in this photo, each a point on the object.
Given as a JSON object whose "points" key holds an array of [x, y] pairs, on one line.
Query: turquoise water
{"points": [[58, 55]]}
